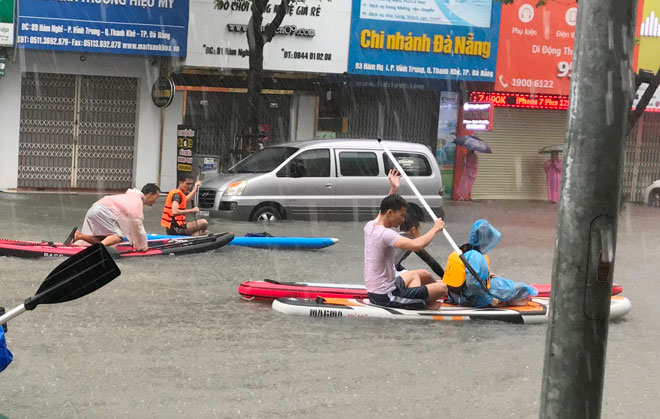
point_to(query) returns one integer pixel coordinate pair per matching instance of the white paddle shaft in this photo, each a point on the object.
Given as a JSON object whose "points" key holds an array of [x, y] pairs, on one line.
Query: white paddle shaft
{"points": [[419, 196], [12, 313]]}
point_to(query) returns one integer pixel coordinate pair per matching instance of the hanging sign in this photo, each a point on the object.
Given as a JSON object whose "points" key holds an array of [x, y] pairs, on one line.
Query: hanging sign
{"points": [[186, 137], [478, 116], [162, 92]]}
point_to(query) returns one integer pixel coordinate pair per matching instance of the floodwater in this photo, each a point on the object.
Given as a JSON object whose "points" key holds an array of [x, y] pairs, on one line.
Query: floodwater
{"points": [[172, 338]]}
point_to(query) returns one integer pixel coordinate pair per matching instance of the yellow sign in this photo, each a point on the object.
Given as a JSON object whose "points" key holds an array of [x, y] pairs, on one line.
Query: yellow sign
{"points": [[184, 167], [649, 36]]}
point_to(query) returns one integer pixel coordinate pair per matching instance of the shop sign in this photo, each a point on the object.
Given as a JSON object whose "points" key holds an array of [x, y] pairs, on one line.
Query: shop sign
{"points": [[6, 23], [313, 36], [427, 39], [186, 137], [653, 105], [478, 116], [648, 33], [521, 100], [162, 92], [136, 27], [536, 47]]}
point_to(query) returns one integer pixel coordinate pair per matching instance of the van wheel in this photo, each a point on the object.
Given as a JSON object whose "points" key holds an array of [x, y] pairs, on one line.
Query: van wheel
{"points": [[654, 198], [266, 214]]}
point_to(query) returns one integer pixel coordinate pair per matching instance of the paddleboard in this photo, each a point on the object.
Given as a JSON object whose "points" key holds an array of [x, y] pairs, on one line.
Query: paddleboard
{"points": [[269, 289], [179, 246], [533, 313], [272, 242]]}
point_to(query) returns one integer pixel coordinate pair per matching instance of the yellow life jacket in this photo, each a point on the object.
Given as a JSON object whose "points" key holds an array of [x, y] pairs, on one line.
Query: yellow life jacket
{"points": [[454, 275]]}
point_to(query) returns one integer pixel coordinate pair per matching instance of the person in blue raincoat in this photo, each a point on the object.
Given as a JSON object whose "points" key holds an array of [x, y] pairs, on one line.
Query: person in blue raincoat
{"points": [[466, 290], [5, 356]]}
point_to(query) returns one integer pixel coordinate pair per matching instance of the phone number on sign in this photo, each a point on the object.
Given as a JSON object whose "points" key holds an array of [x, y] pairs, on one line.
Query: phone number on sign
{"points": [[541, 84]]}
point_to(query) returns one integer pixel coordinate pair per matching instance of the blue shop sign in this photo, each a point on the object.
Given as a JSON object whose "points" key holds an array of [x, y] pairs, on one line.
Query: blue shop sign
{"points": [[137, 27], [446, 39]]}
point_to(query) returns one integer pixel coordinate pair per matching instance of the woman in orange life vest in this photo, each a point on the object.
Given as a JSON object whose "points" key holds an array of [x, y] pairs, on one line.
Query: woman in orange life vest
{"points": [[174, 211], [466, 290]]}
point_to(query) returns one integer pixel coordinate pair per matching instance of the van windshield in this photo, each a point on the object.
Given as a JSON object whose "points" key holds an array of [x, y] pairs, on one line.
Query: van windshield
{"points": [[263, 161]]}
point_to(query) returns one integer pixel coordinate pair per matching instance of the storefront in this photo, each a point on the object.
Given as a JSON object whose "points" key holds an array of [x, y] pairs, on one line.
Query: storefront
{"points": [[76, 95]]}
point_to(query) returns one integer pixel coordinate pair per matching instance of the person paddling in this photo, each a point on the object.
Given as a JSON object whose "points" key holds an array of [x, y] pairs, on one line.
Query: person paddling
{"points": [[114, 217], [384, 287], [174, 211]]}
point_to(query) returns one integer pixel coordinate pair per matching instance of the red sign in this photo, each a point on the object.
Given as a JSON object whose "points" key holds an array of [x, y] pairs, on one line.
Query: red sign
{"points": [[521, 100], [535, 51]]}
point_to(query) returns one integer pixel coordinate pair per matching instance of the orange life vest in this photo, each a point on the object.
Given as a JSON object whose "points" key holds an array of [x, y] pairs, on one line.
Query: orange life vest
{"points": [[166, 218]]}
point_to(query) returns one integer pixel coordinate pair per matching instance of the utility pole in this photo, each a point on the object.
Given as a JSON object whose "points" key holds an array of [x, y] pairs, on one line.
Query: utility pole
{"points": [[601, 93]]}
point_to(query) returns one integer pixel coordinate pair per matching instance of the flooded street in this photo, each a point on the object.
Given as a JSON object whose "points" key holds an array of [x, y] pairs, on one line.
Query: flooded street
{"points": [[171, 337]]}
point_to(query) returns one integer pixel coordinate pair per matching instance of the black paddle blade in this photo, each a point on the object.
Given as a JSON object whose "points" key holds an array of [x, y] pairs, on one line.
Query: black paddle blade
{"points": [[79, 275]]}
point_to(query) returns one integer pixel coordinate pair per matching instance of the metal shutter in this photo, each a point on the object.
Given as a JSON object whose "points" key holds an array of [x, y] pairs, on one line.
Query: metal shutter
{"points": [[515, 169]]}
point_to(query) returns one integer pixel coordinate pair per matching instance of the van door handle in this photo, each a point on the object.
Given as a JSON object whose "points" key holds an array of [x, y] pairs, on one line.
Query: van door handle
{"points": [[328, 185]]}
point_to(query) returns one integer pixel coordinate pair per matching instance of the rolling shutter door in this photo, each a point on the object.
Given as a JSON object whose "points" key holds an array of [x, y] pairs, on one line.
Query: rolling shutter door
{"points": [[515, 169]]}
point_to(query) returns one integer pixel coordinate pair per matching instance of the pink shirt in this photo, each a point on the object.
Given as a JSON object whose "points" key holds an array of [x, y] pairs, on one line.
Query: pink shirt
{"points": [[379, 258], [128, 208], [129, 204]]}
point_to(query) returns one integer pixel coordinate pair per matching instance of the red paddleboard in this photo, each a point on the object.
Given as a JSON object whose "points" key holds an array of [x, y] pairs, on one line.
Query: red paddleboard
{"points": [[269, 290], [183, 246]]}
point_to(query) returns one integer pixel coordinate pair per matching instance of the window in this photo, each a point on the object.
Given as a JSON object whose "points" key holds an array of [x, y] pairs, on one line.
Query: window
{"points": [[263, 161], [312, 163], [413, 164], [358, 163]]}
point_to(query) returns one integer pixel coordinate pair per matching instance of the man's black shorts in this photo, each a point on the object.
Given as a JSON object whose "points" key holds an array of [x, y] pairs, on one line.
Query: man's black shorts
{"points": [[176, 230], [401, 297]]}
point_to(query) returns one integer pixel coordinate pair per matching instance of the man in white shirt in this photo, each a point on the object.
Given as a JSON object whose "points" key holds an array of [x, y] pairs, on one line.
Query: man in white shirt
{"points": [[409, 290]]}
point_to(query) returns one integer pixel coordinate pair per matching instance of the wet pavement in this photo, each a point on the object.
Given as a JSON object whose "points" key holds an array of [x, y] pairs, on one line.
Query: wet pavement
{"points": [[172, 338]]}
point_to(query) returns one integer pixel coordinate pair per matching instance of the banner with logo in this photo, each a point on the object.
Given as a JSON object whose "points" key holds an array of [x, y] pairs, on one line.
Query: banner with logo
{"points": [[136, 27], [536, 47], [313, 36], [444, 39], [6, 23]]}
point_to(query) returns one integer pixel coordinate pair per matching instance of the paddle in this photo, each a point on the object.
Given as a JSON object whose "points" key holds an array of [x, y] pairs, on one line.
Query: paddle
{"points": [[79, 275], [432, 214]]}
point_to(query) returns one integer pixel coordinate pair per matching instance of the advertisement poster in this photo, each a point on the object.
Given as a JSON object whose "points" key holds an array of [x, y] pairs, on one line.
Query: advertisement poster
{"points": [[186, 137], [543, 36], [313, 36], [6, 23], [136, 27], [446, 148], [444, 39]]}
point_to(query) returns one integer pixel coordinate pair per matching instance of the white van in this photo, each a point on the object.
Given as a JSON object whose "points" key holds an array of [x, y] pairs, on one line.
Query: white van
{"points": [[320, 179]]}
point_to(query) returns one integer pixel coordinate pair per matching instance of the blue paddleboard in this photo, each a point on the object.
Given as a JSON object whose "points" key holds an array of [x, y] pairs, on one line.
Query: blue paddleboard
{"points": [[274, 242]]}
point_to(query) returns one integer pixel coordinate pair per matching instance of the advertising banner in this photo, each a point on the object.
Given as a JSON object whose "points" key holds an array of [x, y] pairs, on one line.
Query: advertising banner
{"points": [[313, 36], [444, 39], [446, 148], [6, 23], [136, 27], [535, 51]]}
